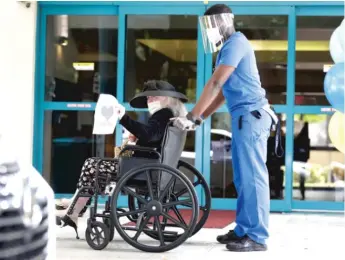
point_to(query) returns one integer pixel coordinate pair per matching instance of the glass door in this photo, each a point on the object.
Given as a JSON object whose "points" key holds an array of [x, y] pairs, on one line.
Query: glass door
{"points": [[318, 167], [162, 42], [267, 28], [78, 60], [93, 49]]}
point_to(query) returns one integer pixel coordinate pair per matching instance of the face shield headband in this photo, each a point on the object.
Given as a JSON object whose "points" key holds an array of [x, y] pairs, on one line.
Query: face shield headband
{"points": [[214, 29]]}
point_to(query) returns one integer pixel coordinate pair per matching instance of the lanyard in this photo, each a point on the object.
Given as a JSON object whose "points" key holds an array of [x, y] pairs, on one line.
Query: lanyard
{"points": [[277, 126]]}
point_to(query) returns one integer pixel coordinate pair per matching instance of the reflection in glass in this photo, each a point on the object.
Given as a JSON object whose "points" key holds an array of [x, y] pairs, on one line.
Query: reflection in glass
{"points": [[268, 36], [161, 47], [313, 58], [68, 141], [222, 185], [188, 154], [81, 57], [275, 165], [318, 168]]}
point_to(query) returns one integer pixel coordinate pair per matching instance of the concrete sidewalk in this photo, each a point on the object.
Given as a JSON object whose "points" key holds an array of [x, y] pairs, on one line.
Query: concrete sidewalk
{"points": [[292, 235]]}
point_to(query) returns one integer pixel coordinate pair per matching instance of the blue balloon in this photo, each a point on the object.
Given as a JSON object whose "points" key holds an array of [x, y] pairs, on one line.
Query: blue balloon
{"points": [[334, 86]]}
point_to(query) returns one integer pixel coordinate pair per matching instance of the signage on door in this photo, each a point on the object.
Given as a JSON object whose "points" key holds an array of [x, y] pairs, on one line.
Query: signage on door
{"points": [[80, 105]]}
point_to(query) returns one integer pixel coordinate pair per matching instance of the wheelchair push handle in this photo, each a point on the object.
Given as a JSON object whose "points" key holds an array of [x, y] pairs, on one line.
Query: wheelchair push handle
{"points": [[137, 148]]}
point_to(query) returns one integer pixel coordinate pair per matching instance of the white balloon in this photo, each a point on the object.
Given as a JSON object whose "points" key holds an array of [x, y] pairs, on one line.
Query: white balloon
{"points": [[337, 43], [341, 33]]}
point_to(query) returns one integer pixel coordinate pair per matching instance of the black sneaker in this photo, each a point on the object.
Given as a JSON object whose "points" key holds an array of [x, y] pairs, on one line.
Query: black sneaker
{"points": [[230, 236], [245, 244]]}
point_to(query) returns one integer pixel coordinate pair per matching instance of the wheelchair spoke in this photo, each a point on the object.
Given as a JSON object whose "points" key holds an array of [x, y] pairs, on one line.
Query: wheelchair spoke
{"points": [[189, 205], [135, 195], [141, 228], [196, 183], [181, 192], [149, 184], [98, 240], [133, 212], [165, 220], [174, 221], [159, 231], [167, 188], [97, 232], [98, 236], [179, 216], [179, 202], [173, 186], [184, 190]]}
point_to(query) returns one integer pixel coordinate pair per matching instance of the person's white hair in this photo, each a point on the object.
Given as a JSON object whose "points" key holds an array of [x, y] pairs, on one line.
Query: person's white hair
{"points": [[178, 108]]}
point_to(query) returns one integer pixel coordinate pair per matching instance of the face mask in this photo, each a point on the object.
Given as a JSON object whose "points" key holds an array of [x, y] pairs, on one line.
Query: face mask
{"points": [[154, 106], [214, 38]]}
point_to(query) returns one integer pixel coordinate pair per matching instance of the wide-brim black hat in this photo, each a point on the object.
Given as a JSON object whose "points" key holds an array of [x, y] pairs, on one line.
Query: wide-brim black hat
{"points": [[156, 88]]}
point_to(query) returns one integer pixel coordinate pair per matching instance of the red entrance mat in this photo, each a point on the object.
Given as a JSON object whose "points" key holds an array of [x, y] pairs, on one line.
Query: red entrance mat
{"points": [[216, 218]]}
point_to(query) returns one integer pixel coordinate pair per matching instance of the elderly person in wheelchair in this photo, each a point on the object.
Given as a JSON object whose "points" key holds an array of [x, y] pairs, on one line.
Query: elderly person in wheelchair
{"points": [[149, 177]]}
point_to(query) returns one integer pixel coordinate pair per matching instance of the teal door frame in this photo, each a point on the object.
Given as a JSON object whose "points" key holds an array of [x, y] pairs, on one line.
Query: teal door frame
{"points": [[105, 8], [335, 10], [204, 69], [276, 205], [41, 106], [163, 9]]}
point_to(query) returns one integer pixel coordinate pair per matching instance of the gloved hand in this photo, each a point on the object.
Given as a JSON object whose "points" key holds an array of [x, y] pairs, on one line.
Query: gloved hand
{"points": [[120, 109], [183, 123]]}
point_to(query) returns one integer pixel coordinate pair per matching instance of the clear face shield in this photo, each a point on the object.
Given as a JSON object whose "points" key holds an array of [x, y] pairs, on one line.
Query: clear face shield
{"points": [[214, 28]]}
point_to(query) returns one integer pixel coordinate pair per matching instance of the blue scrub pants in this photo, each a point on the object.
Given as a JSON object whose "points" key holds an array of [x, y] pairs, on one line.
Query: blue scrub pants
{"points": [[249, 155]]}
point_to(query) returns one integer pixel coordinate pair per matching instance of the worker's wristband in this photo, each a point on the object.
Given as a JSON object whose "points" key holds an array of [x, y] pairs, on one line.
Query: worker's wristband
{"points": [[194, 119]]}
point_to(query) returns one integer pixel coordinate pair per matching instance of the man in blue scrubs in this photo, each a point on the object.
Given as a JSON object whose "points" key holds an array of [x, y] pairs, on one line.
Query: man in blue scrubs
{"points": [[236, 80]]}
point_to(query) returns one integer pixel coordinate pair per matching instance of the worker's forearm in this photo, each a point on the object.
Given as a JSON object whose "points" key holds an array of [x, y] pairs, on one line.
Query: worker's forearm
{"points": [[217, 102], [208, 95]]}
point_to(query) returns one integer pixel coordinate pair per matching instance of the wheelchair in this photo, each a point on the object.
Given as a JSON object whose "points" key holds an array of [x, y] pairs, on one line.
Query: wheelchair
{"points": [[156, 185]]}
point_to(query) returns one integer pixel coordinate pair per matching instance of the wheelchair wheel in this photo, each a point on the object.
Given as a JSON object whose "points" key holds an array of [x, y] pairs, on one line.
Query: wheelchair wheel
{"points": [[153, 209], [198, 181], [97, 235]]}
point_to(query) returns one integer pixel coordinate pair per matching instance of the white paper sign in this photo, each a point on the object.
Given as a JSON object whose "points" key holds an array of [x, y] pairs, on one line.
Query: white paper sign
{"points": [[106, 115]]}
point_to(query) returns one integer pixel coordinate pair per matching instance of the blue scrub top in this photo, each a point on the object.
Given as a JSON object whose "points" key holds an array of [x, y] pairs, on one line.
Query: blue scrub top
{"points": [[242, 91]]}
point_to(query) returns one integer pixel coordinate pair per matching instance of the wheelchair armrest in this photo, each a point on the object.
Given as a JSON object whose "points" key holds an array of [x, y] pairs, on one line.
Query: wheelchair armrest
{"points": [[137, 148], [107, 159]]}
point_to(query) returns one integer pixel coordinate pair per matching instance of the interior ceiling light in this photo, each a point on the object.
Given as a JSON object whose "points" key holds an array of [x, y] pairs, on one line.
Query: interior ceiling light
{"points": [[177, 49], [84, 66]]}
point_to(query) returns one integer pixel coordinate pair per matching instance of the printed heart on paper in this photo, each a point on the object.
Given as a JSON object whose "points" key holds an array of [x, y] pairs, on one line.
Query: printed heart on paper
{"points": [[107, 111]]}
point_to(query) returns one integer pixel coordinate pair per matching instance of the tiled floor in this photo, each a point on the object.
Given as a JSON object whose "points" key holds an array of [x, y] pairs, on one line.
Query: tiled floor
{"points": [[292, 235]]}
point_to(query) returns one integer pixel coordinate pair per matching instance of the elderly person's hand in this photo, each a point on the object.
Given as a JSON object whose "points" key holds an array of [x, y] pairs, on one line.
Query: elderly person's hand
{"points": [[120, 110], [132, 138]]}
